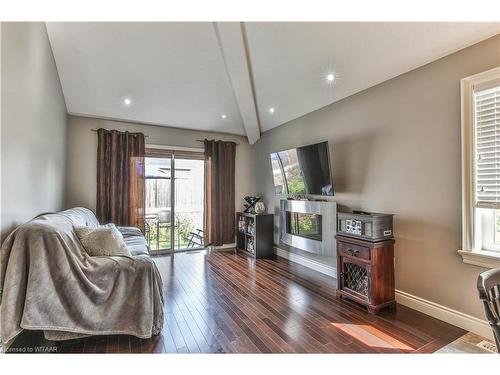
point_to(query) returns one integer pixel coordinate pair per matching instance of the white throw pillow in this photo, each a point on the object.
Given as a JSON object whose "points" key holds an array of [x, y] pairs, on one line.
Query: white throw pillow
{"points": [[105, 240]]}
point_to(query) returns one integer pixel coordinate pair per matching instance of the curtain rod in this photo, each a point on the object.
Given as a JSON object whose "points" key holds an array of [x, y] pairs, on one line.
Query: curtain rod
{"points": [[145, 135], [202, 140]]}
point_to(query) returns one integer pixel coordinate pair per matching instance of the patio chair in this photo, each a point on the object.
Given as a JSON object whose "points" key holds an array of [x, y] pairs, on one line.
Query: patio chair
{"points": [[488, 284], [195, 238], [163, 220]]}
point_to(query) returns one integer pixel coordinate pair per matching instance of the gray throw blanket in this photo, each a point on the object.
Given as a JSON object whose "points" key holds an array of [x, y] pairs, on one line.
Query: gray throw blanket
{"points": [[48, 282]]}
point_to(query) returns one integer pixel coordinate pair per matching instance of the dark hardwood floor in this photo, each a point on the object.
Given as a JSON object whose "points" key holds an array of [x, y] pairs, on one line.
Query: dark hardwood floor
{"points": [[228, 303]]}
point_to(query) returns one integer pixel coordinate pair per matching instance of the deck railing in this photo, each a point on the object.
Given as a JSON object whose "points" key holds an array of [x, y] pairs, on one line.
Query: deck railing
{"points": [[187, 221]]}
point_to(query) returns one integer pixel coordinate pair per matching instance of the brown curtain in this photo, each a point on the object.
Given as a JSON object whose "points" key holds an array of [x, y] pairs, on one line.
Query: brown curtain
{"points": [[219, 192], [120, 178]]}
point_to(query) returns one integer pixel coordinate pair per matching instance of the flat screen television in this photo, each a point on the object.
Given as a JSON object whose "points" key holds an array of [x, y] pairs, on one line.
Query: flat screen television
{"points": [[302, 170]]}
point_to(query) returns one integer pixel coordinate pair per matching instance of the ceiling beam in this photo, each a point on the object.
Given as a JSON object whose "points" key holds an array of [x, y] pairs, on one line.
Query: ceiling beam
{"points": [[232, 42]]}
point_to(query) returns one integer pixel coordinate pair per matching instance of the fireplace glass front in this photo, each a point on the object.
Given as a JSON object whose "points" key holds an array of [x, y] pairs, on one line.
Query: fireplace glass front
{"points": [[304, 225]]}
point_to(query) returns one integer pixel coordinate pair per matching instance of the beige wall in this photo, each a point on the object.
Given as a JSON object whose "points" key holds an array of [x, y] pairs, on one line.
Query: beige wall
{"points": [[396, 148], [82, 155], [33, 126]]}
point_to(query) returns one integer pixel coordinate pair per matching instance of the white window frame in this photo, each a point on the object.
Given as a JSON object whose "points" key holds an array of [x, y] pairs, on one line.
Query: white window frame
{"points": [[470, 252]]}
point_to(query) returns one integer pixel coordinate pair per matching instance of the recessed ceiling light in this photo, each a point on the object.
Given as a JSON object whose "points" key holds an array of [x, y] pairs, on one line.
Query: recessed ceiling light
{"points": [[330, 77], [271, 110], [224, 116], [127, 101]]}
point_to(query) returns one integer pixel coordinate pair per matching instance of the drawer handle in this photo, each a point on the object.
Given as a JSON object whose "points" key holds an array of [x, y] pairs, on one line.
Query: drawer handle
{"points": [[353, 252]]}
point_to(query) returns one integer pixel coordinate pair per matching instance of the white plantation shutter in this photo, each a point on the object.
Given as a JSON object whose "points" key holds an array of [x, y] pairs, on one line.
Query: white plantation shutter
{"points": [[487, 145]]}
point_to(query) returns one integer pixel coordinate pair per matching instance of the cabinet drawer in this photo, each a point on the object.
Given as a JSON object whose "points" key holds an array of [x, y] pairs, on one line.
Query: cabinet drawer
{"points": [[354, 251]]}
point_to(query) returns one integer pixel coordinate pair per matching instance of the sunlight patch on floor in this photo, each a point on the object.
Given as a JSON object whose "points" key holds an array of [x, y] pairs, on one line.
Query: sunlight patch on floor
{"points": [[373, 337]]}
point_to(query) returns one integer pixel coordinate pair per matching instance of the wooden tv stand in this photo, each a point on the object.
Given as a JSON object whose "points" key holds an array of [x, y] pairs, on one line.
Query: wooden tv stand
{"points": [[366, 272]]}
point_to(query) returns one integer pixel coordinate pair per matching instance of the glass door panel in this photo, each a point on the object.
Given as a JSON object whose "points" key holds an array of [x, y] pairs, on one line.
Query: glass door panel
{"points": [[158, 197], [188, 203]]}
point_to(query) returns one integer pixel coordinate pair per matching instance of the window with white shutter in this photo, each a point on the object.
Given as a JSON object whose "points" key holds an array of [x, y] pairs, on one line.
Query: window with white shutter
{"points": [[481, 169], [487, 141]]}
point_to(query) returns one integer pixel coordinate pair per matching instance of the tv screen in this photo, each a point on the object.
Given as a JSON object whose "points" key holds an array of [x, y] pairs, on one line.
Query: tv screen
{"points": [[302, 170]]}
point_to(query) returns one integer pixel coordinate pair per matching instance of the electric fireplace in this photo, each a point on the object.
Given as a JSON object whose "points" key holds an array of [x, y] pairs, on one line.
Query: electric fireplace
{"points": [[304, 225], [308, 226]]}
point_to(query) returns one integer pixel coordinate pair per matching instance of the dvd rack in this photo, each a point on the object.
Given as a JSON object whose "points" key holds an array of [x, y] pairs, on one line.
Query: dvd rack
{"points": [[255, 234]]}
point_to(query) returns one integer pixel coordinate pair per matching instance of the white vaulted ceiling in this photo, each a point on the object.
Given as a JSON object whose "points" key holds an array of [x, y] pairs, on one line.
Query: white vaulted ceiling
{"points": [[188, 75], [174, 73], [291, 60]]}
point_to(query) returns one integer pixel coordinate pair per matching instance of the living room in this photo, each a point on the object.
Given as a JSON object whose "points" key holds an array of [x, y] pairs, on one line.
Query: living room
{"points": [[250, 187]]}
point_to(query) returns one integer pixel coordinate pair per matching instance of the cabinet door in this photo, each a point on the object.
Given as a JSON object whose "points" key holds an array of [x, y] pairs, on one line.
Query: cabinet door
{"points": [[355, 278]]}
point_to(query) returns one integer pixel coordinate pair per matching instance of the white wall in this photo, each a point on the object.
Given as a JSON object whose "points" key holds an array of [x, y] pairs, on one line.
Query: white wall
{"points": [[395, 148], [33, 126], [81, 179]]}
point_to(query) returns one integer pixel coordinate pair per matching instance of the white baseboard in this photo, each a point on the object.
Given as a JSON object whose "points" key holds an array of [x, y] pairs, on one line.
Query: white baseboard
{"points": [[446, 314], [317, 266], [225, 247]]}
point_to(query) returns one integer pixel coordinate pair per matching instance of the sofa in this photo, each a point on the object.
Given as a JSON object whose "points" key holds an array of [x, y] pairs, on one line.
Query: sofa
{"points": [[49, 282]]}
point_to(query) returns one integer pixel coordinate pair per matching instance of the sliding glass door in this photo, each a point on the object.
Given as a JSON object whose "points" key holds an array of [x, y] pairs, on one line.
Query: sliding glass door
{"points": [[188, 202], [174, 200]]}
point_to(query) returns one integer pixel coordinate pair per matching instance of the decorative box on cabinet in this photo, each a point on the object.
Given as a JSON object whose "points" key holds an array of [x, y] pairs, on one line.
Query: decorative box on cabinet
{"points": [[365, 272], [255, 234]]}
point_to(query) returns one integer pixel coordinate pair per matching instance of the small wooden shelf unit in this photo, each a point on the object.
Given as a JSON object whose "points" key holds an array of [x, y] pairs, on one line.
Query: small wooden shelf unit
{"points": [[366, 272], [255, 234]]}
